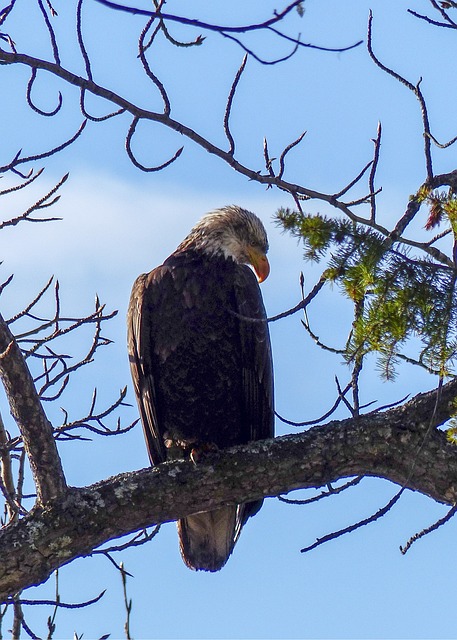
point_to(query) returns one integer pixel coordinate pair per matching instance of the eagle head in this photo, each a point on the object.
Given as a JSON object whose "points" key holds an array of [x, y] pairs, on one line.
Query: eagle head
{"points": [[234, 233]]}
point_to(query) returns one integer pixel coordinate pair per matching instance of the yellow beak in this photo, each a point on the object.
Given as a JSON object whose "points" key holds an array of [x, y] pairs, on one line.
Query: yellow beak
{"points": [[260, 263]]}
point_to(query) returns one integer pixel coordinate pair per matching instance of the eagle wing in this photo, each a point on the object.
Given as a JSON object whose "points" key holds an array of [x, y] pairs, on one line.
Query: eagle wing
{"points": [[140, 351], [257, 364], [257, 372]]}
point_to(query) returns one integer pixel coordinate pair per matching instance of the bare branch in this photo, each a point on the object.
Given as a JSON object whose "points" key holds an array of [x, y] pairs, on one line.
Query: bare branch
{"points": [[127, 601], [228, 107], [308, 45], [374, 166], [439, 523], [17, 160], [37, 298], [440, 145], [33, 424], [353, 527], [256, 57], [94, 422], [278, 16], [449, 23], [417, 92], [333, 408], [59, 603], [163, 28], [23, 184], [331, 491], [354, 182], [42, 203], [52, 35], [268, 160], [148, 70], [138, 540], [31, 103], [286, 151], [128, 147]]}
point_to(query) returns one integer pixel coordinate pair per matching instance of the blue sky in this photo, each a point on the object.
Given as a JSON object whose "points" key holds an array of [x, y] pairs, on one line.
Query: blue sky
{"points": [[119, 222]]}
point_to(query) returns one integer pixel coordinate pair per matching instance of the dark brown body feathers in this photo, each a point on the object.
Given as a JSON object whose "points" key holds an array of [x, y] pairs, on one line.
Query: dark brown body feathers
{"points": [[202, 375]]}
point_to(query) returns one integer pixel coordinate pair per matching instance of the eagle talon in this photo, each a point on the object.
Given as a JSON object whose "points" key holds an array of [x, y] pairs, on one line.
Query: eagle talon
{"points": [[199, 452]]}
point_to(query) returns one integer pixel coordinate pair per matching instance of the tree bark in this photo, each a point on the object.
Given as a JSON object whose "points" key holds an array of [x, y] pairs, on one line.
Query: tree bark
{"points": [[402, 445], [33, 424]]}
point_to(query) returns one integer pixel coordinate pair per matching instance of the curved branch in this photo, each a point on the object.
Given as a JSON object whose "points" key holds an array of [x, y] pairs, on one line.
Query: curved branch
{"points": [[362, 523], [308, 45], [250, 52], [148, 71], [228, 107], [415, 89], [387, 445], [39, 156], [133, 160], [52, 35], [289, 147], [269, 179], [31, 103], [278, 16]]}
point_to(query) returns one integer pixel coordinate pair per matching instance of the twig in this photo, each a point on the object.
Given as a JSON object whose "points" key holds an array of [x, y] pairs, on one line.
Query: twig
{"points": [[332, 491], [148, 70], [439, 523], [33, 106], [52, 35], [17, 160], [59, 603], [374, 166], [289, 147], [228, 107], [253, 54], [358, 177], [278, 16], [128, 147], [127, 602], [353, 527], [414, 88], [326, 415]]}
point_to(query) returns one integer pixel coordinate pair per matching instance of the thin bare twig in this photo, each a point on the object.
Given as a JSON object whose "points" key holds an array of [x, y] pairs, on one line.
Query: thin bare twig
{"points": [[309, 423], [33, 106], [289, 147], [331, 491], [414, 88], [127, 601], [147, 69], [17, 160], [52, 35], [439, 523], [353, 527], [128, 147], [278, 16], [353, 182], [228, 107], [42, 203], [59, 603], [374, 166]]}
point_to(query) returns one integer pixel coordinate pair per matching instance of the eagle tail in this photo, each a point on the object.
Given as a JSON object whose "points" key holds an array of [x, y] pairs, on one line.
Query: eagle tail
{"points": [[206, 539]]}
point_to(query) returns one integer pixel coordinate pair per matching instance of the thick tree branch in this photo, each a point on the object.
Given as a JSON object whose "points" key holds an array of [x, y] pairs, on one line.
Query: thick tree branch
{"points": [[397, 445], [31, 419]]}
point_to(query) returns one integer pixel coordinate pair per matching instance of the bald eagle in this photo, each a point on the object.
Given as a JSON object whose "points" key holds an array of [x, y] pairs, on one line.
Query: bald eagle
{"points": [[202, 374]]}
